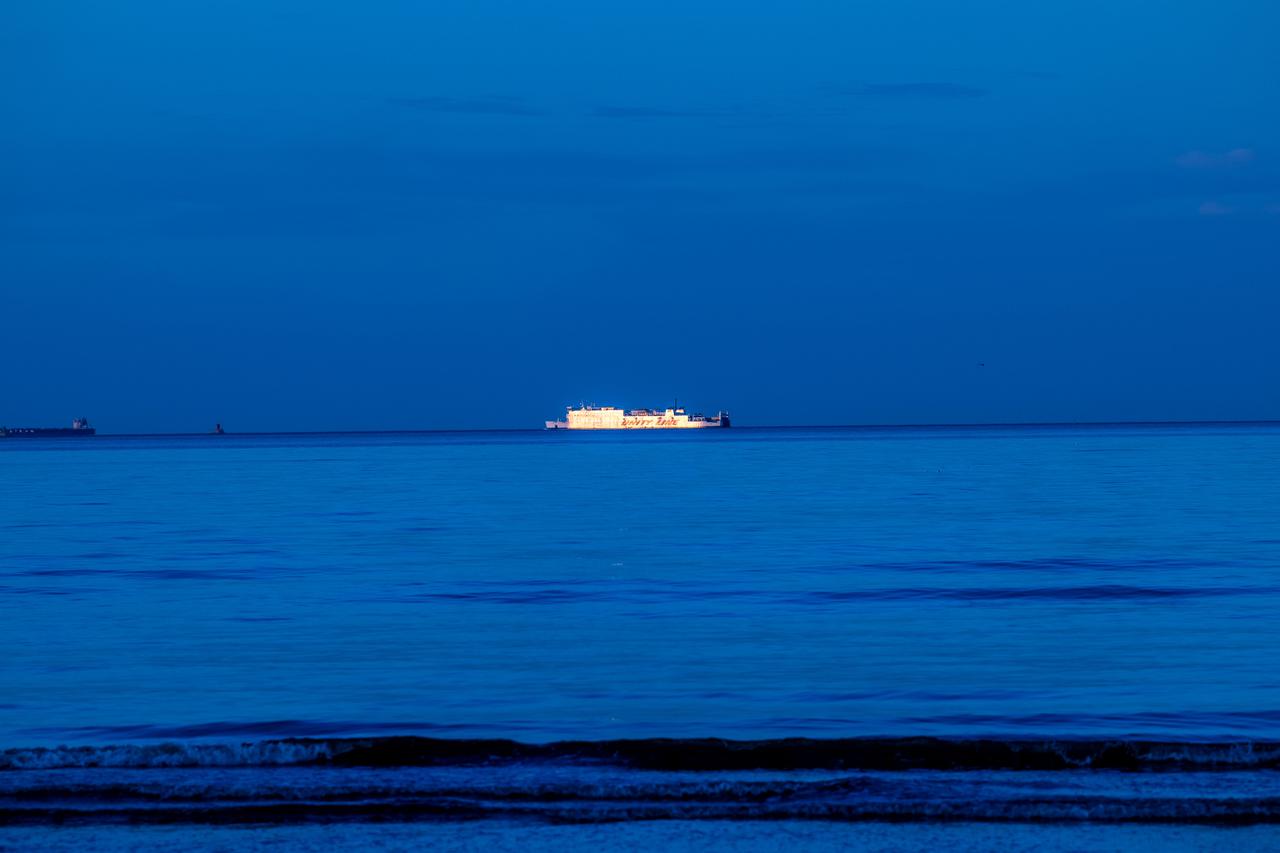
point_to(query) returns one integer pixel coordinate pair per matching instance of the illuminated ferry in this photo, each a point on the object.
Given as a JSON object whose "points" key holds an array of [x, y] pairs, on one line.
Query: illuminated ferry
{"points": [[609, 417]]}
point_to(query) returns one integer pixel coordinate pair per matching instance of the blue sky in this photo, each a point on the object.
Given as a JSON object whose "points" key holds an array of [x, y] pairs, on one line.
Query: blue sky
{"points": [[437, 215]]}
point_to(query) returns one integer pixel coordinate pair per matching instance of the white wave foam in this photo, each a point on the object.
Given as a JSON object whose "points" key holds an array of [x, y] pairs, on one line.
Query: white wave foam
{"points": [[263, 753]]}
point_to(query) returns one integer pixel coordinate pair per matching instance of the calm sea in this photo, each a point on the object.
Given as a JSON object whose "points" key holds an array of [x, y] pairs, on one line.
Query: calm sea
{"points": [[1082, 621]]}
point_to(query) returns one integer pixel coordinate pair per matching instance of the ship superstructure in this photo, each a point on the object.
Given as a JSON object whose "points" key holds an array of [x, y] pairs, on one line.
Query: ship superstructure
{"points": [[610, 417]]}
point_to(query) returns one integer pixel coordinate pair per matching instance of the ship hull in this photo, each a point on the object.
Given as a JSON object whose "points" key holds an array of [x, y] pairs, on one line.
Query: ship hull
{"points": [[614, 418], [46, 432], [650, 423], [609, 418]]}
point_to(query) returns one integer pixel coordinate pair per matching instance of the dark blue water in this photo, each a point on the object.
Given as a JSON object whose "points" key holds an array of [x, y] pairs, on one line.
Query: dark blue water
{"points": [[196, 600]]}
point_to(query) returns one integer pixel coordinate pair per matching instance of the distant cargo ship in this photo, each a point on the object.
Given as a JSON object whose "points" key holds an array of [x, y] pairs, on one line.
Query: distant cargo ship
{"points": [[609, 417], [79, 427]]}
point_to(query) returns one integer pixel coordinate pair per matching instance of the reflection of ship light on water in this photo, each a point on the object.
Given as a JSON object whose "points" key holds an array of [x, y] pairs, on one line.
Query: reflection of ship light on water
{"points": [[609, 417]]}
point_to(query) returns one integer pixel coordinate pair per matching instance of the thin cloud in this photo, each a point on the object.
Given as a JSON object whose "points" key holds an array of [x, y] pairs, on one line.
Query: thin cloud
{"points": [[500, 105], [923, 91], [610, 111], [1210, 160], [1213, 208]]}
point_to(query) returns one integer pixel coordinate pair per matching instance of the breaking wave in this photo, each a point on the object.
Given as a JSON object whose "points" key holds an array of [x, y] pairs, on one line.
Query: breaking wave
{"points": [[262, 754], [1231, 812], [401, 778], [670, 754]]}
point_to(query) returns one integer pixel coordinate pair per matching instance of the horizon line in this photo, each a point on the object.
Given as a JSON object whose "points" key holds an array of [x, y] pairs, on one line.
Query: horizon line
{"points": [[952, 425]]}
